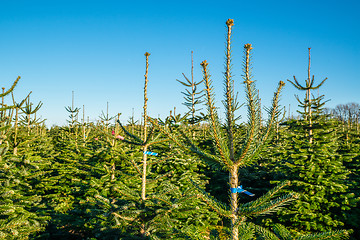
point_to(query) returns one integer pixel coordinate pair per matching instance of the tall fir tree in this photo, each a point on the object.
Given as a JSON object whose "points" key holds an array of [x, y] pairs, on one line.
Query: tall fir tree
{"points": [[231, 151], [311, 160], [140, 195]]}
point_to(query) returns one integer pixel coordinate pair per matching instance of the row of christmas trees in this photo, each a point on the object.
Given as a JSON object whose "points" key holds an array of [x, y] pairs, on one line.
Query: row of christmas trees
{"points": [[187, 176]]}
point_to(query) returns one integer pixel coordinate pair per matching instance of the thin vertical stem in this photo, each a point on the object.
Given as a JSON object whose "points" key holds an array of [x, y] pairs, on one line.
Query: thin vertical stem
{"points": [[229, 91], [145, 95], [213, 118], [16, 130], [107, 116], [289, 111], [143, 189], [117, 125], [234, 181], [28, 124], [309, 101], [132, 122], [233, 174], [2, 103], [192, 88], [260, 115], [72, 109], [83, 123]]}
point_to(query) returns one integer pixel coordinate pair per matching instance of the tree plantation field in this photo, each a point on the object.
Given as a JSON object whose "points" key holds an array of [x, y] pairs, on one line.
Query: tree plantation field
{"points": [[203, 174]]}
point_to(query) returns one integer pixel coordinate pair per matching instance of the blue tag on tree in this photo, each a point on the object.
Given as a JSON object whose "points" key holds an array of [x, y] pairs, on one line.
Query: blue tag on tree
{"points": [[150, 153], [241, 190]]}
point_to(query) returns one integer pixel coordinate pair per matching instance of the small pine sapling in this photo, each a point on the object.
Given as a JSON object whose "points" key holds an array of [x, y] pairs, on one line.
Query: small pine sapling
{"points": [[74, 112], [138, 208], [106, 118], [306, 104], [29, 110], [193, 97], [18, 106]]}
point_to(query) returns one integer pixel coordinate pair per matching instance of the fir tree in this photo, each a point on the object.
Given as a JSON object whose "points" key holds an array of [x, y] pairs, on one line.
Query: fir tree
{"points": [[136, 196], [231, 150], [192, 97], [315, 168]]}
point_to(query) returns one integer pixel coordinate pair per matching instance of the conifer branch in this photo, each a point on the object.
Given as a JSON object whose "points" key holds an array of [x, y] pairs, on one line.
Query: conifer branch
{"points": [[214, 120], [297, 84], [273, 113], [263, 233], [320, 84], [246, 230], [282, 232], [11, 88], [162, 160], [157, 142], [135, 166], [161, 176], [128, 192], [137, 139], [253, 112], [333, 235], [210, 159], [28, 141], [267, 207], [268, 196], [123, 217], [214, 204], [3, 109]]}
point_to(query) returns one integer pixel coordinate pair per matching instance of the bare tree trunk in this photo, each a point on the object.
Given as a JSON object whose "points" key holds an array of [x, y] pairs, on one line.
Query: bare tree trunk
{"points": [[234, 182], [143, 178]]}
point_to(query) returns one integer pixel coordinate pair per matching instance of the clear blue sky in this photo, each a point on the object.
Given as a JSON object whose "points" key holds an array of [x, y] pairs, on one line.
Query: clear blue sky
{"points": [[96, 49]]}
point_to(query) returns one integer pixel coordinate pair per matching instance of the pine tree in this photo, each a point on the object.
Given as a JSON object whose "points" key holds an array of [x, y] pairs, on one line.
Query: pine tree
{"points": [[192, 97], [135, 195], [233, 151], [316, 170]]}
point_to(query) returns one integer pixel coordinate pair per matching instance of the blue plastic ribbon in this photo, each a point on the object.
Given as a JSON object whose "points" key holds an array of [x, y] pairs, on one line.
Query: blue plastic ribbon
{"points": [[150, 153], [241, 190]]}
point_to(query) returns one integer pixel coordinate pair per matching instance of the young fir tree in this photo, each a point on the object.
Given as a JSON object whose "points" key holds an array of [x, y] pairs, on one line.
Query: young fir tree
{"points": [[72, 170], [316, 169], [29, 118], [137, 198], [193, 97], [233, 151], [21, 208], [74, 112], [15, 141], [27, 128], [106, 118]]}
